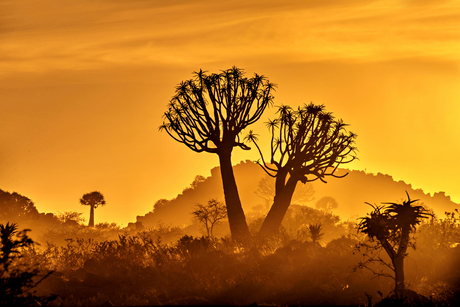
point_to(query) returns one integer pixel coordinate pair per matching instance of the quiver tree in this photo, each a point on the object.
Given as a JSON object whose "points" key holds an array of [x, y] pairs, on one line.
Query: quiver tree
{"points": [[94, 200], [307, 144], [390, 227], [208, 113]]}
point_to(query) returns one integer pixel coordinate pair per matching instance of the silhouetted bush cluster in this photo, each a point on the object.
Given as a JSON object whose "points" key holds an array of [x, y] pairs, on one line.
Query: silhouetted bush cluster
{"points": [[140, 268]]}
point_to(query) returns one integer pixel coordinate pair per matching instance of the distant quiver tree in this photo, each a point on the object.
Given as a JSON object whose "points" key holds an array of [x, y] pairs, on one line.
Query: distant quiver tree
{"points": [[307, 144], [208, 113], [94, 200]]}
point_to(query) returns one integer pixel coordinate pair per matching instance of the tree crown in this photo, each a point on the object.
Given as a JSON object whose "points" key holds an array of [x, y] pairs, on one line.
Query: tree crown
{"points": [[308, 143], [94, 199], [386, 223], [14, 205], [209, 111]]}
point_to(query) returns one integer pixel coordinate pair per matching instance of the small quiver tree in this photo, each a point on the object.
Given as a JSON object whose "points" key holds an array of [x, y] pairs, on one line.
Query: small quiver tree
{"points": [[210, 215], [307, 144], [390, 228], [94, 200], [208, 113]]}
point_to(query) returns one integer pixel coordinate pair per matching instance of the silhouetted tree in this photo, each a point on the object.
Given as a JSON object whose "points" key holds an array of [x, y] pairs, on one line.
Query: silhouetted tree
{"points": [[306, 145], [208, 113], [390, 226], [210, 215], [327, 203], [94, 200], [14, 206], [440, 234]]}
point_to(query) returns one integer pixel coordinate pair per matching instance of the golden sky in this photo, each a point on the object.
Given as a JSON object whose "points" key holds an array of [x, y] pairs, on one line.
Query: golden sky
{"points": [[84, 84]]}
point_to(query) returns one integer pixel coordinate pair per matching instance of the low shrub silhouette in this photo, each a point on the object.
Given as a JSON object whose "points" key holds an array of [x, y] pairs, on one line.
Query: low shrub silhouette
{"points": [[140, 268], [18, 278]]}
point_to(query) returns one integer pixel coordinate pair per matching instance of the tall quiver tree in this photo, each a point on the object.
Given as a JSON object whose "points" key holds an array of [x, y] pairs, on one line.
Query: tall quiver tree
{"points": [[208, 113], [94, 200], [307, 144]]}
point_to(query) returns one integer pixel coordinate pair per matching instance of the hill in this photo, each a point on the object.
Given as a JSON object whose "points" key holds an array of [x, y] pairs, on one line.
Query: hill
{"points": [[350, 192]]}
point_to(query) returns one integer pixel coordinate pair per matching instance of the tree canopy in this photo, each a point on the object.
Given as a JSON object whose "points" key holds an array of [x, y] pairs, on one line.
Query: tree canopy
{"points": [[306, 144], [14, 206], [213, 109]]}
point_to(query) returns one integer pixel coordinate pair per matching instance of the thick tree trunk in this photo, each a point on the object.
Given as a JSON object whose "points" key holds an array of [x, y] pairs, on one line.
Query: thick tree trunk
{"points": [[281, 203], [91, 217], [236, 218], [398, 261], [398, 264]]}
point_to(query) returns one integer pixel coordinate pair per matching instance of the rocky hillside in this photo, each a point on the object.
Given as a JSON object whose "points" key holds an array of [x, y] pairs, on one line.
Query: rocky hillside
{"points": [[350, 192]]}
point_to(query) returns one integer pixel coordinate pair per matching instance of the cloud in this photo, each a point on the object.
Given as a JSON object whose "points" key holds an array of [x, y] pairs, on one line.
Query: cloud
{"points": [[76, 35]]}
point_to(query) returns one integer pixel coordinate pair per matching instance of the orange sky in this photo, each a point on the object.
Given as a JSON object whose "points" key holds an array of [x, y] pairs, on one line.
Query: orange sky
{"points": [[83, 86]]}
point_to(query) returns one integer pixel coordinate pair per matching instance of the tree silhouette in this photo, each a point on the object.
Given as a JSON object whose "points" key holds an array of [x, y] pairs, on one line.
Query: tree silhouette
{"points": [[390, 226], [210, 215], [208, 113], [94, 200], [327, 203], [14, 206], [306, 145]]}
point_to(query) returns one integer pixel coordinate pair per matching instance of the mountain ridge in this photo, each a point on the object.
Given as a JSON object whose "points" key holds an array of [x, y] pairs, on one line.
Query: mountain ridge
{"points": [[351, 193]]}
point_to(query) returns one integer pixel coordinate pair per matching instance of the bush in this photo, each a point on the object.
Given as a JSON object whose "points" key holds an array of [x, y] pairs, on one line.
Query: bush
{"points": [[18, 278]]}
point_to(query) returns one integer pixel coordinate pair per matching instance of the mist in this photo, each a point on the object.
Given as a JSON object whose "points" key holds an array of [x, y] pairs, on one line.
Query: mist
{"points": [[166, 257]]}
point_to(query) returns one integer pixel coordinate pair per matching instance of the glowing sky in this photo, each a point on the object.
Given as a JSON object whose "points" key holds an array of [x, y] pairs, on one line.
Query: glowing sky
{"points": [[84, 84]]}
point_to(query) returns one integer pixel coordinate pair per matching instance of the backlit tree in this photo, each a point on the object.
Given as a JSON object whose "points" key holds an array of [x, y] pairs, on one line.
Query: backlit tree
{"points": [[208, 113], [390, 227], [210, 215], [94, 200], [14, 207], [307, 144]]}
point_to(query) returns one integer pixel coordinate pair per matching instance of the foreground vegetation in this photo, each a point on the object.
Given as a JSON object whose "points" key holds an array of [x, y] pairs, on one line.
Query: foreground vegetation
{"points": [[139, 268]]}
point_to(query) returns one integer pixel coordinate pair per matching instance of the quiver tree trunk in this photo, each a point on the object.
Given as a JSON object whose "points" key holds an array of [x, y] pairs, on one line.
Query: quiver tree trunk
{"points": [[398, 264], [281, 203], [398, 260], [236, 218], [91, 216]]}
